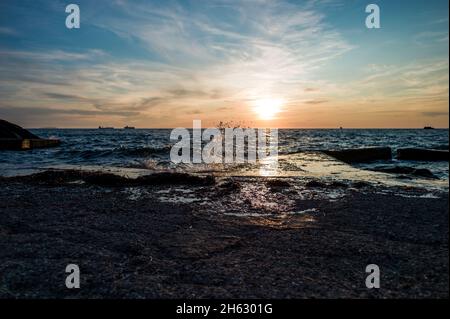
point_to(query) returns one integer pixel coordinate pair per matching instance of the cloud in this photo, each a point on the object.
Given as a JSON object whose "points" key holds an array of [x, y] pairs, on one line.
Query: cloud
{"points": [[37, 111], [61, 96], [315, 102], [426, 80], [435, 114], [255, 48], [261, 46], [51, 56], [427, 38], [8, 31]]}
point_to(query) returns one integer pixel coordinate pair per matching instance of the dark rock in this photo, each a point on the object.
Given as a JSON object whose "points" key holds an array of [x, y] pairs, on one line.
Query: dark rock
{"points": [[423, 172], [337, 184], [227, 187], [361, 155], [360, 184], [104, 179], [13, 137], [144, 248], [418, 154], [175, 179], [277, 183], [58, 177], [13, 131], [316, 184], [403, 170], [52, 177]]}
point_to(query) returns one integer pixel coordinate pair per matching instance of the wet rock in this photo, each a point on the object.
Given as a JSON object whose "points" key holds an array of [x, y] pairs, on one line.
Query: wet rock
{"points": [[103, 179], [421, 172], [51, 177], [337, 184], [316, 184], [361, 155], [418, 154], [13, 137], [175, 179], [360, 184], [144, 248], [228, 186], [61, 177], [57, 177], [12, 131], [166, 178], [278, 183], [441, 147]]}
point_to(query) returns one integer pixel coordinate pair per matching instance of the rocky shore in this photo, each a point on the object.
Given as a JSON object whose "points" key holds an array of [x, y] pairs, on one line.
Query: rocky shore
{"points": [[135, 241], [14, 137]]}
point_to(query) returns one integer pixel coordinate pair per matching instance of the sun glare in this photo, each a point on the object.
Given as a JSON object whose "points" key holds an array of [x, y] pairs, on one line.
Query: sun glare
{"points": [[267, 108]]}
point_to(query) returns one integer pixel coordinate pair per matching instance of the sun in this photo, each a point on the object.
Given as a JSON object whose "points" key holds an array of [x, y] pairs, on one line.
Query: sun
{"points": [[267, 108]]}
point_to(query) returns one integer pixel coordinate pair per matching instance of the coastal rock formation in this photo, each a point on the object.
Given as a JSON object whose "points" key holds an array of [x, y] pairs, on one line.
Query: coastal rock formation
{"points": [[178, 249], [418, 154], [13, 137], [420, 172], [60, 177], [13, 131], [441, 147], [361, 155]]}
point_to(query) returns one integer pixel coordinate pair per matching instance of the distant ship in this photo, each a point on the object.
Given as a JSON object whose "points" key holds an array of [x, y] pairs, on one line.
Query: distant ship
{"points": [[428, 128], [129, 127], [105, 128]]}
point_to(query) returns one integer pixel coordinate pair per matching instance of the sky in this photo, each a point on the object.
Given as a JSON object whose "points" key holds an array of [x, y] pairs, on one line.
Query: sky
{"points": [[259, 63]]}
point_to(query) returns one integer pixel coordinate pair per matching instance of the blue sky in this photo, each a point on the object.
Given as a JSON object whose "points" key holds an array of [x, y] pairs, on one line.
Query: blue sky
{"points": [[165, 63]]}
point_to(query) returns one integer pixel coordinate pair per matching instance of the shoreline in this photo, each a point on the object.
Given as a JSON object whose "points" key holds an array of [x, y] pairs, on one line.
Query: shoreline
{"points": [[230, 238]]}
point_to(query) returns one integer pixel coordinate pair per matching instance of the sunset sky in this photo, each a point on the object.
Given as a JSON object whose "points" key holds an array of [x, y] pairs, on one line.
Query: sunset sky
{"points": [[307, 64]]}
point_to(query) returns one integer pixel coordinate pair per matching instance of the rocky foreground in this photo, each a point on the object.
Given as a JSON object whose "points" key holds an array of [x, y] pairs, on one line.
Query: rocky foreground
{"points": [[130, 244]]}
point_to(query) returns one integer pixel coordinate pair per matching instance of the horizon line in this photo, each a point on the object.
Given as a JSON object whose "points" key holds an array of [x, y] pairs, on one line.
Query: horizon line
{"points": [[280, 128]]}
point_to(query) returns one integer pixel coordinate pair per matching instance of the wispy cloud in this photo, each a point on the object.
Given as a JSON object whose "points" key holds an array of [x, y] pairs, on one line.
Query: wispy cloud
{"points": [[428, 38], [50, 56], [435, 114], [8, 31], [263, 48]]}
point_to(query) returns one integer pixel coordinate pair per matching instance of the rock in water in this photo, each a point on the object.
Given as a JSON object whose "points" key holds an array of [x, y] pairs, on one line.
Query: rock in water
{"points": [[361, 155], [420, 172], [13, 137], [9, 130], [418, 154]]}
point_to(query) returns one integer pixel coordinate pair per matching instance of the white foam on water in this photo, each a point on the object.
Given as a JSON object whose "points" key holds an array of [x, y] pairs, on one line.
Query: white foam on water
{"points": [[302, 212], [179, 199]]}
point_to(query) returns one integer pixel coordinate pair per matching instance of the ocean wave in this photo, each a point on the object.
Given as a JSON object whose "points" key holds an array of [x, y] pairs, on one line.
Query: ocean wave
{"points": [[116, 152]]}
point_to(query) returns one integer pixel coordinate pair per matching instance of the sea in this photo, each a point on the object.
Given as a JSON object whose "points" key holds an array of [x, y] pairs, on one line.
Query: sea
{"points": [[149, 149]]}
